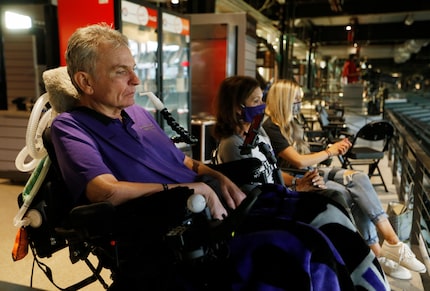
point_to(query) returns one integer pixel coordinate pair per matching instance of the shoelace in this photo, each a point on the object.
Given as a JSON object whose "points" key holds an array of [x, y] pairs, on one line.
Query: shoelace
{"points": [[405, 253], [389, 263]]}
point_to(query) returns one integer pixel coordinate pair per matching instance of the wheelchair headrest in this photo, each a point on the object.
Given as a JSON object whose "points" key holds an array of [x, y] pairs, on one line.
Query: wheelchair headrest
{"points": [[63, 95]]}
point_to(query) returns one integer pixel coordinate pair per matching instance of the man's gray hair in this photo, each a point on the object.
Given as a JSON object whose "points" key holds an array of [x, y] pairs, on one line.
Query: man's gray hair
{"points": [[84, 44]]}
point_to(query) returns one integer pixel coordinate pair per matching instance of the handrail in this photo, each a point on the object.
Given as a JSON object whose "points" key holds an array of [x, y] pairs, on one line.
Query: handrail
{"points": [[411, 164]]}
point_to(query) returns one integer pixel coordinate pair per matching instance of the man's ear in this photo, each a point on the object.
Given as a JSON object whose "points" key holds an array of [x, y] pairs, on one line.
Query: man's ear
{"points": [[83, 80]]}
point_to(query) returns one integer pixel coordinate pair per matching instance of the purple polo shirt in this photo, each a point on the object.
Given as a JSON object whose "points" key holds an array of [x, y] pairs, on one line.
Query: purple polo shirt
{"points": [[89, 144]]}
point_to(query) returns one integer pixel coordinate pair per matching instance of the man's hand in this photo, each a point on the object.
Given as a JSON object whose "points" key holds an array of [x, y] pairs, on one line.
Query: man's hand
{"points": [[217, 210], [212, 201], [231, 194]]}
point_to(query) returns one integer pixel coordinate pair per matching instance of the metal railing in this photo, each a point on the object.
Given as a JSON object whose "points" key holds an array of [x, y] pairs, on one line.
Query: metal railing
{"points": [[410, 164]]}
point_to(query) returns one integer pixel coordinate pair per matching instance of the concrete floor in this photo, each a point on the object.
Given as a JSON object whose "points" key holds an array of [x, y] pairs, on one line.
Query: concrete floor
{"points": [[65, 273]]}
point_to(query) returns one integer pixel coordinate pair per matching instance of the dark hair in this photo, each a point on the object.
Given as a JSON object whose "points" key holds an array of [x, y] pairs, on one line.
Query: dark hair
{"points": [[232, 94]]}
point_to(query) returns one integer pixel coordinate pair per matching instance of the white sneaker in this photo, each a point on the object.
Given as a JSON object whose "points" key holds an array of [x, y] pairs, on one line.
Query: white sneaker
{"points": [[394, 270], [403, 255]]}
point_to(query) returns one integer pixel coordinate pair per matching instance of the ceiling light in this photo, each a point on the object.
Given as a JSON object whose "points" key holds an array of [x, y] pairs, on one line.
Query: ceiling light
{"points": [[17, 21]]}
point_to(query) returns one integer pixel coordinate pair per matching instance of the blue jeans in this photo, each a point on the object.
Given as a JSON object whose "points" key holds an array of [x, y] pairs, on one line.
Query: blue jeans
{"points": [[361, 197]]}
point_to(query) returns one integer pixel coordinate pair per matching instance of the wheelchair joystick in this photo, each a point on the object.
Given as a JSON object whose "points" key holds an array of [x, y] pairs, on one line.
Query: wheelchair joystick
{"points": [[196, 203], [190, 239]]}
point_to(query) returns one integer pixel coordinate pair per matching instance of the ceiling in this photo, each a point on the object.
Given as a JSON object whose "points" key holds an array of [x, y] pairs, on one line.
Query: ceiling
{"points": [[380, 30]]}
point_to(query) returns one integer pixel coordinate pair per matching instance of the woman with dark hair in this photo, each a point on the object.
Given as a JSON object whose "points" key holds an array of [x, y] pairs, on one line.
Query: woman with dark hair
{"points": [[239, 101]]}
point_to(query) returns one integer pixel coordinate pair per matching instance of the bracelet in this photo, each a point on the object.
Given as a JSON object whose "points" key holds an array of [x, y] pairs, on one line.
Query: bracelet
{"points": [[294, 184], [165, 187], [328, 153]]}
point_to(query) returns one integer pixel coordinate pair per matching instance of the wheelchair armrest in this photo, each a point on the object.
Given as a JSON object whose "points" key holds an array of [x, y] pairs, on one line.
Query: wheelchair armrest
{"points": [[96, 219], [97, 212], [86, 227], [93, 210]]}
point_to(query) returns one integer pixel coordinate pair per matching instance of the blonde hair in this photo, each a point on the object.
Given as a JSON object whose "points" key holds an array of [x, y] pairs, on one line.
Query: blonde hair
{"points": [[279, 107]]}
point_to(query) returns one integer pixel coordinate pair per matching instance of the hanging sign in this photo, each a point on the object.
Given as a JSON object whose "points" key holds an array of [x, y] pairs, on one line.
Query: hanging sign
{"points": [[138, 14]]}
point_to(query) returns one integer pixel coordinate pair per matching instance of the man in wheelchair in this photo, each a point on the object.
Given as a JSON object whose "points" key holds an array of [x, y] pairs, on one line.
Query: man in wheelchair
{"points": [[110, 149], [112, 153]]}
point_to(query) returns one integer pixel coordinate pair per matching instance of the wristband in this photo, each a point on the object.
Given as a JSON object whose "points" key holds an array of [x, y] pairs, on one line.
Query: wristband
{"points": [[328, 153], [165, 187], [294, 184]]}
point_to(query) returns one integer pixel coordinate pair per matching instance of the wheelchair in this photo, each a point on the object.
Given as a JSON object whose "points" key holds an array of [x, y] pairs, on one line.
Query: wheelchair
{"points": [[192, 251], [189, 250], [107, 232]]}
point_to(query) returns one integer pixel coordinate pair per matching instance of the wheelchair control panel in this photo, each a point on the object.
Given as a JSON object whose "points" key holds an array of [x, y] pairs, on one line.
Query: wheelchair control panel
{"points": [[202, 238]]}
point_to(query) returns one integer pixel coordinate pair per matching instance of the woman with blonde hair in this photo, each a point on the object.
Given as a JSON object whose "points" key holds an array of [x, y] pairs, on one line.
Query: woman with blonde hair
{"points": [[283, 102]]}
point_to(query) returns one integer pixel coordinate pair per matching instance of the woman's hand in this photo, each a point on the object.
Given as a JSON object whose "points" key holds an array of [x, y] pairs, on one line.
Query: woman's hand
{"points": [[340, 148], [311, 181]]}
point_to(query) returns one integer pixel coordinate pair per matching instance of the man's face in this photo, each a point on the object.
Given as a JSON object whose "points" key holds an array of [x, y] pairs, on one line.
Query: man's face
{"points": [[115, 80]]}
